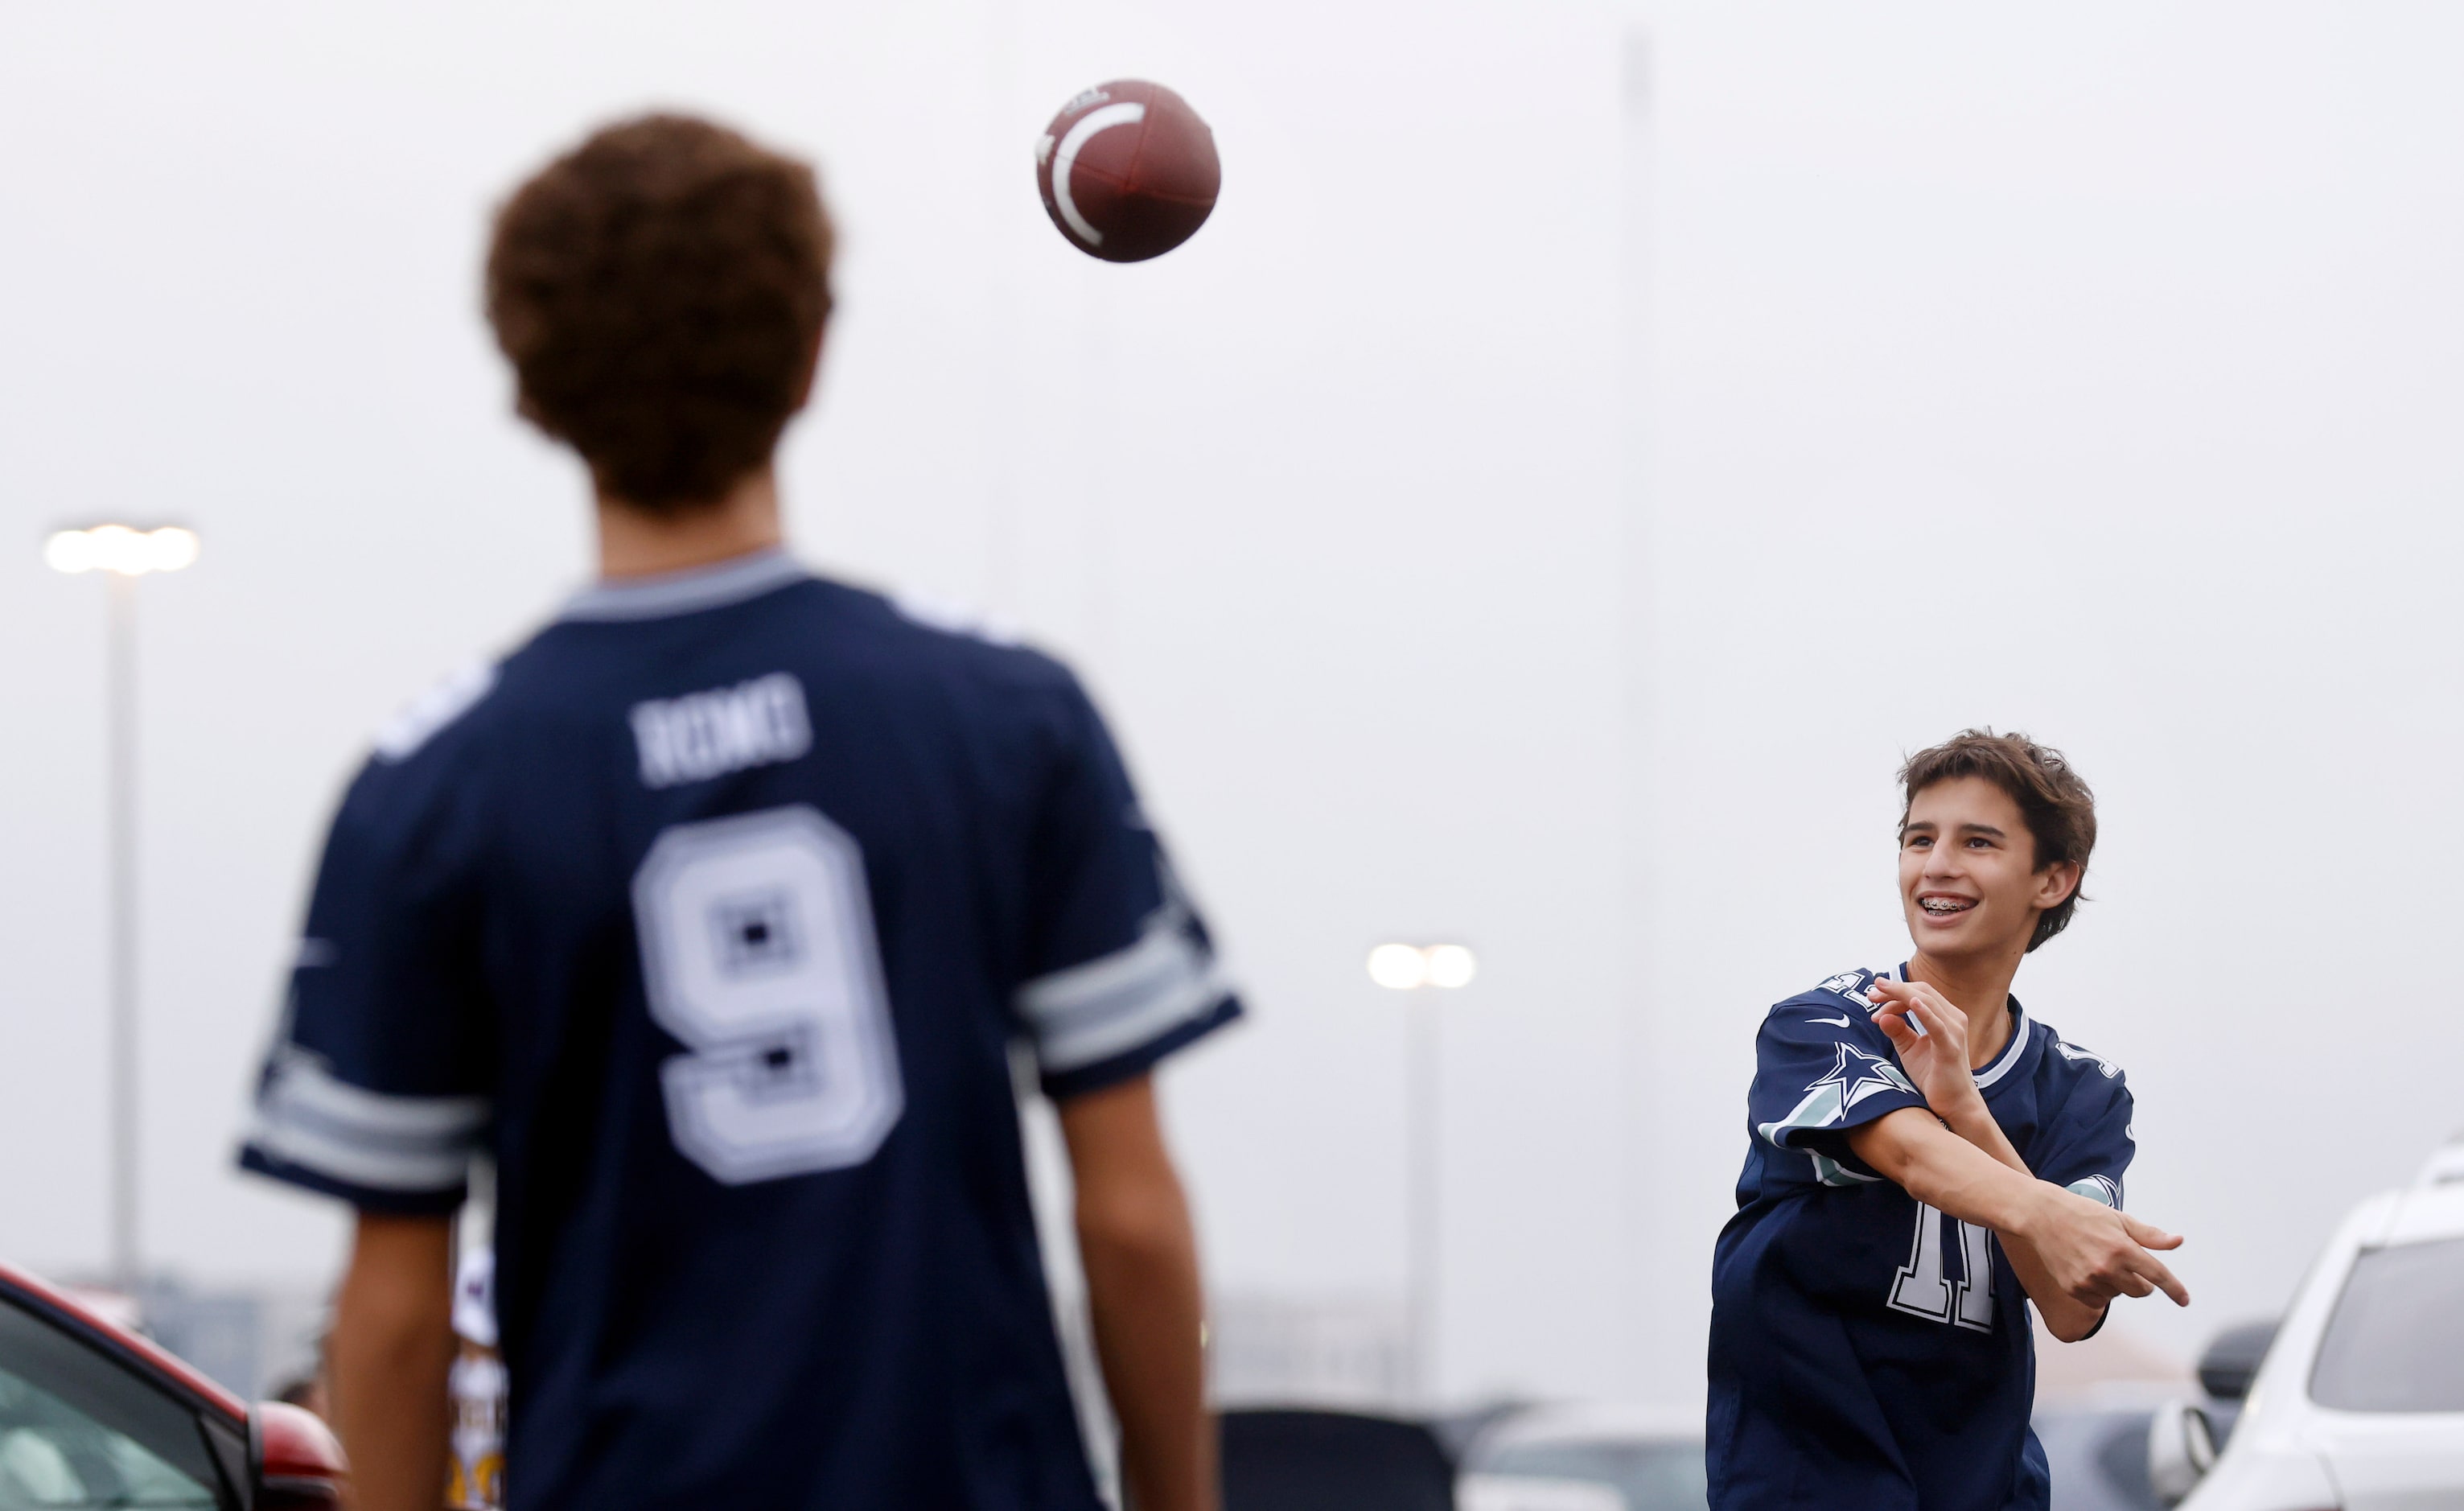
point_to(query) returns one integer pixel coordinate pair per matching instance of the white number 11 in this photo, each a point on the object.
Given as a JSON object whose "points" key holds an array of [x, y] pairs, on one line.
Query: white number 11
{"points": [[1924, 1291]]}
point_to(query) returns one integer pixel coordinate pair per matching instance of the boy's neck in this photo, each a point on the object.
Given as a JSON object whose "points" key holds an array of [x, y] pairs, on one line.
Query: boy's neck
{"points": [[1981, 988], [635, 543]]}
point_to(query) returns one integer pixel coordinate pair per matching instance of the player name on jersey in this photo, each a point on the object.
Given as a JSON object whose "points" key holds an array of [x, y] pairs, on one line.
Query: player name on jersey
{"points": [[703, 735]]}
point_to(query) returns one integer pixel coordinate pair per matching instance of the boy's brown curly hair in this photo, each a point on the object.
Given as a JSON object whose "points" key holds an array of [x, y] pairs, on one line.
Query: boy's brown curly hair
{"points": [[660, 290], [2052, 797]]}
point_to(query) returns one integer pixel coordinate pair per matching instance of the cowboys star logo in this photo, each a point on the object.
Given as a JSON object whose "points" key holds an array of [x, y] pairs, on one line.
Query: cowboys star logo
{"points": [[1857, 1076]]}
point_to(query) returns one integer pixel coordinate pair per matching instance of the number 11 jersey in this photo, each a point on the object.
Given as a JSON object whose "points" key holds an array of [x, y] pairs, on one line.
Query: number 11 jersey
{"points": [[712, 914], [1867, 1350]]}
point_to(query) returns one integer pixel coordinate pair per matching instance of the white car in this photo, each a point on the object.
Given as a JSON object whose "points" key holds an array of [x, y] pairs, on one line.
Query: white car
{"points": [[2360, 1403], [1586, 1457]]}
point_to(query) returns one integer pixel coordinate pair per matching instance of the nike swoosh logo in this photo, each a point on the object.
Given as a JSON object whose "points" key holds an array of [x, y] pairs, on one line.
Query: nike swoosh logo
{"points": [[1841, 1022]]}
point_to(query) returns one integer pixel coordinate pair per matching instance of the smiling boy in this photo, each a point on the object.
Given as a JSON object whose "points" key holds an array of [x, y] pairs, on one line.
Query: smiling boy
{"points": [[1926, 1158]]}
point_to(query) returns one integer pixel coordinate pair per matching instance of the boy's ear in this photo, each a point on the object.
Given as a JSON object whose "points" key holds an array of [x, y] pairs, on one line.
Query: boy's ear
{"points": [[2055, 883]]}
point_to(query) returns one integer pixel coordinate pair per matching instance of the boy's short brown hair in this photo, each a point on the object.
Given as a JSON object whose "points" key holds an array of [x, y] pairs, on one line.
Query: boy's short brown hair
{"points": [[2059, 809], [660, 290]]}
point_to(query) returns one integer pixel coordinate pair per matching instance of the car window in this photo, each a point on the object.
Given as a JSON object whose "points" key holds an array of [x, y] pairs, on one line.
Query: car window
{"points": [[79, 1427], [1652, 1477], [2396, 1340]]}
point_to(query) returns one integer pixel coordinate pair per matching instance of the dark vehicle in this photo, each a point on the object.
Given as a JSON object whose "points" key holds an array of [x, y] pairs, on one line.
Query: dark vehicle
{"points": [[1309, 1461], [94, 1416]]}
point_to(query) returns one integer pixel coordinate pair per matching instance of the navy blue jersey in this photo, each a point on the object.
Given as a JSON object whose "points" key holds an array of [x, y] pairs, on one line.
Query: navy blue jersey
{"points": [[1867, 1352], [712, 914]]}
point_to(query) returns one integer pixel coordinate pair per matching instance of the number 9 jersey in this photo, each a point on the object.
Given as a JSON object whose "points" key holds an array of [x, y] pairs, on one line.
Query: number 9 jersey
{"points": [[712, 914]]}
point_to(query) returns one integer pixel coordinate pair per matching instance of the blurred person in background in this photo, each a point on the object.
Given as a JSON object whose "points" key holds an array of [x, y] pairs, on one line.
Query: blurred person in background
{"points": [[475, 1477], [1924, 1159], [712, 915]]}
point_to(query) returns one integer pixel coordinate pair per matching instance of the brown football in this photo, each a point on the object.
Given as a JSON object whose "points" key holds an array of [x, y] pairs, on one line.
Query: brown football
{"points": [[1128, 172]]}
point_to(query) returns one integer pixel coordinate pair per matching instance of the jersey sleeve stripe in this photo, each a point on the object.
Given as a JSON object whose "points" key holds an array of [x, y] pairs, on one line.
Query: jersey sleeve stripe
{"points": [[1062, 1086], [1136, 1024], [1821, 1108], [1161, 955], [1107, 1007], [305, 1117], [2099, 1188], [442, 1201], [358, 1164], [1830, 1172]]}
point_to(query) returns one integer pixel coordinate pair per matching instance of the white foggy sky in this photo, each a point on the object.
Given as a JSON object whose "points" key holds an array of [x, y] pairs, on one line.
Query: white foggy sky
{"points": [[2094, 374]]}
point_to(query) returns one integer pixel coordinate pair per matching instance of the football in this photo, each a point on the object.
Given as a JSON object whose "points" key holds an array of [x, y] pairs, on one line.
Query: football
{"points": [[1128, 172]]}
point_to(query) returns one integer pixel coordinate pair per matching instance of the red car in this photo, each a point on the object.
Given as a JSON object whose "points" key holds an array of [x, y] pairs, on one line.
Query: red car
{"points": [[92, 1415]]}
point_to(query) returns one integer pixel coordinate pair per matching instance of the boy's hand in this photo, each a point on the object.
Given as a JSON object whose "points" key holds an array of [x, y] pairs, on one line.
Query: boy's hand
{"points": [[2093, 1254], [2072, 1254], [1936, 1059]]}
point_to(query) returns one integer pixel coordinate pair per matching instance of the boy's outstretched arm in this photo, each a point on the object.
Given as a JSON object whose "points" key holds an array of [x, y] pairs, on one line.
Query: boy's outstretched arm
{"points": [[2073, 1255], [1140, 1255], [391, 1349]]}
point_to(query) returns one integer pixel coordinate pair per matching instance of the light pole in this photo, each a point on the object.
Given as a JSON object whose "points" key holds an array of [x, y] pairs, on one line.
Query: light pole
{"points": [[122, 554], [1418, 969]]}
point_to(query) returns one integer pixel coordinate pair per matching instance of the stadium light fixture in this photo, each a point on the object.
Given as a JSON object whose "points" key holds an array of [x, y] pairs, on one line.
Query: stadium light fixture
{"points": [[1414, 970], [122, 553], [120, 549], [1398, 967], [1403, 968], [1451, 965]]}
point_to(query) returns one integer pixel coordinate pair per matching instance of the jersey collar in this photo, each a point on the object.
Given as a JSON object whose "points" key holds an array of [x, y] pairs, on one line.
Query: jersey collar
{"points": [[2008, 1060], [665, 594]]}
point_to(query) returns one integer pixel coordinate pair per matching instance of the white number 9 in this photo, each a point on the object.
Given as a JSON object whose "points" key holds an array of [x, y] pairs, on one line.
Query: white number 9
{"points": [[759, 952]]}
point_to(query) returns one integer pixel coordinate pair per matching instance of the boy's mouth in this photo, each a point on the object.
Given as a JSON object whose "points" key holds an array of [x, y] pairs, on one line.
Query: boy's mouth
{"points": [[1943, 905]]}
